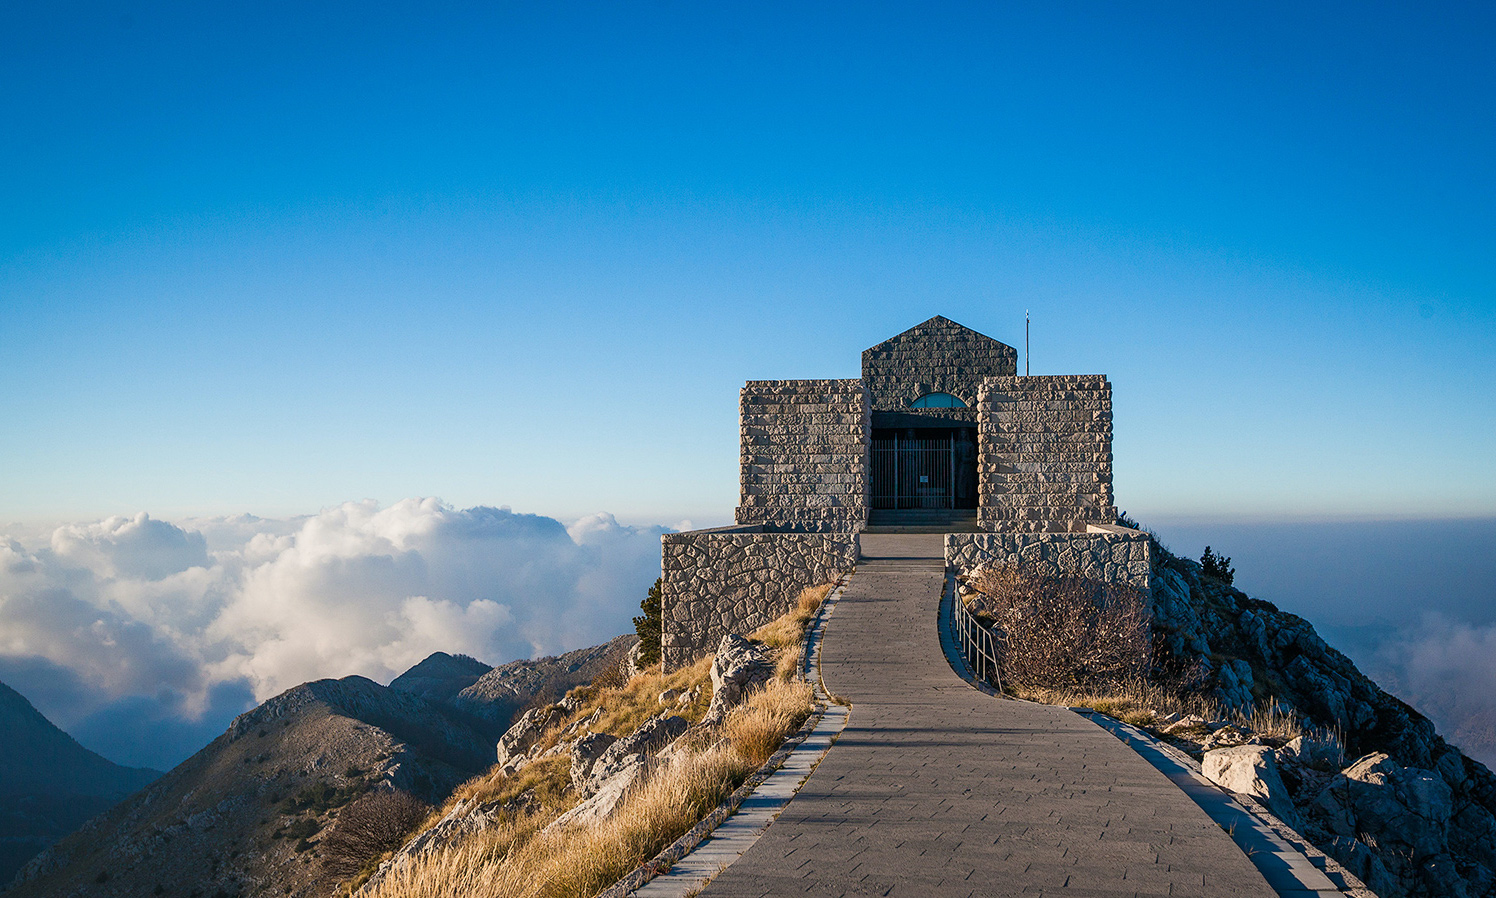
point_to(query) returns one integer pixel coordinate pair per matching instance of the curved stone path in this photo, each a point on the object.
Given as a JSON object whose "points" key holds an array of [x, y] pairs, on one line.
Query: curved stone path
{"points": [[937, 789]]}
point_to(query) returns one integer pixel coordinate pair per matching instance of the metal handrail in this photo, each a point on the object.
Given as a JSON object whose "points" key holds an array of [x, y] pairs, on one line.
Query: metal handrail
{"points": [[978, 643]]}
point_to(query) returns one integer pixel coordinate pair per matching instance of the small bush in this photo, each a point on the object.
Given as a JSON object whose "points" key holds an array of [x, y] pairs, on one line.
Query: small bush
{"points": [[648, 624], [1217, 566], [612, 677], [1064, 632], [368, 828]]}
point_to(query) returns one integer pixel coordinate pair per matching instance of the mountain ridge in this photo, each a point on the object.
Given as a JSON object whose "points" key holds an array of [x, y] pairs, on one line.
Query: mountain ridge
{"points": [[246, 813], [49, 783]]}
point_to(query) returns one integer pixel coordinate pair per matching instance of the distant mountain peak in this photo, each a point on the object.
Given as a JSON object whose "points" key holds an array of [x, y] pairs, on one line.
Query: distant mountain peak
{"points": [[440, 677]]}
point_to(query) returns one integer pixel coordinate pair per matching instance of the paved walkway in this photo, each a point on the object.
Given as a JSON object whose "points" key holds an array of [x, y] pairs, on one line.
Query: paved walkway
{"points": [[936, 789]]}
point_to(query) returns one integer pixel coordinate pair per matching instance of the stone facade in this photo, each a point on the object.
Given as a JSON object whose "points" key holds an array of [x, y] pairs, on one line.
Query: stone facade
{"points": [[736, 579], [803, 454], [1044, 453], [938, 356], [1110, 554], [1041, 466]]}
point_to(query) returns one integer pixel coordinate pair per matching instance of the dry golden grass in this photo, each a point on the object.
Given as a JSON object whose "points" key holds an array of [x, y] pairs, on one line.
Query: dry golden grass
{"points": [[757, 729], [1136, 701], [1272, 722], [1145, 704], [516, 858], [783, 635], [515, 861]]}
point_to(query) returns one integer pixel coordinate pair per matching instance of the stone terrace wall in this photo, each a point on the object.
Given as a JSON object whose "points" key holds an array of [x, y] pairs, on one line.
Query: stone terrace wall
{"points": [[736, 579], [938, 356], [803, 454], [1044, 453], [1108, 554]]}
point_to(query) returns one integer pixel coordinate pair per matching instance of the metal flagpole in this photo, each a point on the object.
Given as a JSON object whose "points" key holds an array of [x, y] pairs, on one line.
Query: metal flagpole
{"points": [[1025, 343]]}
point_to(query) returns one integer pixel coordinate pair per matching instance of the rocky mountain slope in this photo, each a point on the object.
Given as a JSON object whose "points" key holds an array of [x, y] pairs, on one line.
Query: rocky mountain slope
{"points": [[245, 815], [1407, 812], [49, 784], [497, 697]]}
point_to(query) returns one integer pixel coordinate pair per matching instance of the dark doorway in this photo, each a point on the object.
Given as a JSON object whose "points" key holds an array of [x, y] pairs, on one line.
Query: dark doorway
{"points": [[924, 468]]}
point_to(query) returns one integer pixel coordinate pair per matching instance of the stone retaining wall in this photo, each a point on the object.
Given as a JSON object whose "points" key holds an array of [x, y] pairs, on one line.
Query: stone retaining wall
{"points": [[1044, 453], [803, 454], [736, 579], [1110, 554]]}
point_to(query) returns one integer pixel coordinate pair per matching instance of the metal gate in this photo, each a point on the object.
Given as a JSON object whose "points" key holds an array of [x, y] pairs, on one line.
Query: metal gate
{"points": [[909, 473]]}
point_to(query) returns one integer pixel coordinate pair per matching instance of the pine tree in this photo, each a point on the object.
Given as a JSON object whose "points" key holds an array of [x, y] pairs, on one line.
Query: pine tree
{"points": [[1217, 566], [648, 626]]}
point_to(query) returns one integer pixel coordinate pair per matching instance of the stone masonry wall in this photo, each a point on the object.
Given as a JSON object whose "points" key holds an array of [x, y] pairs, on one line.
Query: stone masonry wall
{"points": [[938, 356], [736, 579], [1044, 453], [803, 455], [1107, 554]]}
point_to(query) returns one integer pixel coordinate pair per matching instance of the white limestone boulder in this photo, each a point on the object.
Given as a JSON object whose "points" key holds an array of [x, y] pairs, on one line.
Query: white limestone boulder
{"points": [[1251, 770], [585, 754], [740, 668], [653, 735], [528, 730]]}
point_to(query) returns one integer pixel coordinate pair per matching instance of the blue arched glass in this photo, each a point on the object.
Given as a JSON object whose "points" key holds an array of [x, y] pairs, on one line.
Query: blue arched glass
{"points": [[937, 400]]}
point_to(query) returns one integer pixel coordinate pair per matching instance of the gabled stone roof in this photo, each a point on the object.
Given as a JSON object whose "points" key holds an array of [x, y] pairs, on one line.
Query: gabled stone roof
{"points": [[935, 356], [938, 330]]}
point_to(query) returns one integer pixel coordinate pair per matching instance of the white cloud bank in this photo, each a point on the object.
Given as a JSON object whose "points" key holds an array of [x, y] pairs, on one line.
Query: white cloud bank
{"points": [[132, 609]]}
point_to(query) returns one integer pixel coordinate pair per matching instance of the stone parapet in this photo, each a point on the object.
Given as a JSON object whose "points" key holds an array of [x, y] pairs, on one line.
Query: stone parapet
{"points": [[803, 455], [736, 579], [1044, 453], [1108, 554]]}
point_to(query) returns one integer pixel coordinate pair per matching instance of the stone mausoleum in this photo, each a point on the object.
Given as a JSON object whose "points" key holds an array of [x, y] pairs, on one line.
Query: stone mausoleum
{"points": [[939, 435]]}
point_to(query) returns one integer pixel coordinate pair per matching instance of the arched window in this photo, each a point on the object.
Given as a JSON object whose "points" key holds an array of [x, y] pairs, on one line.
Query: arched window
{"points": [[937, 400]]}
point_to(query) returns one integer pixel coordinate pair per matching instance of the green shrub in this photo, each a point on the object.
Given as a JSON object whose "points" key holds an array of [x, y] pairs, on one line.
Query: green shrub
{"points": [[1217, 566], [647, 626]]}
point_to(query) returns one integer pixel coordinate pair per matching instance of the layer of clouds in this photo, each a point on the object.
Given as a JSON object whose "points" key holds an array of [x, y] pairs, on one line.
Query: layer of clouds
{"points": [[1447, 669], [179, 626]]}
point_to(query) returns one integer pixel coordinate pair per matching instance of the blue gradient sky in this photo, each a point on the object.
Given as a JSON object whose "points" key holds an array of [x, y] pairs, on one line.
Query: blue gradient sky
{"points": [[268, 258]]}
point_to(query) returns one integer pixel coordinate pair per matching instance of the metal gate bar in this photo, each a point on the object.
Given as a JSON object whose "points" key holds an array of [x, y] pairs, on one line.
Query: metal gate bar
{"points": [[914, 473]]}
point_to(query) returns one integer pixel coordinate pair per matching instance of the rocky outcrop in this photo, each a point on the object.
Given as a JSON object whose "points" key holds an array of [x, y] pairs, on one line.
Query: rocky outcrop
{"points": [[622, 766], [739, 667], [498, 696], [1411, 816], [633, 750], [585, 753], [515, 745]]}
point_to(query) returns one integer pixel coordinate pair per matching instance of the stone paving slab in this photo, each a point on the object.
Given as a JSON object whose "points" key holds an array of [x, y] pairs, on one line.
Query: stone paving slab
{"points": [[935, 788]]}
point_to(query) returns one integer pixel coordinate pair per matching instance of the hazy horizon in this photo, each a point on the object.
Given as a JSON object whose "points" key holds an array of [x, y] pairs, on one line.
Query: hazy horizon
{"points": [[1412, 602]]}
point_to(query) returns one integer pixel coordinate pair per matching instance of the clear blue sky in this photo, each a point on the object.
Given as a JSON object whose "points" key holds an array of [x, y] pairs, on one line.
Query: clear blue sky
{"points": [[269, 257]]}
